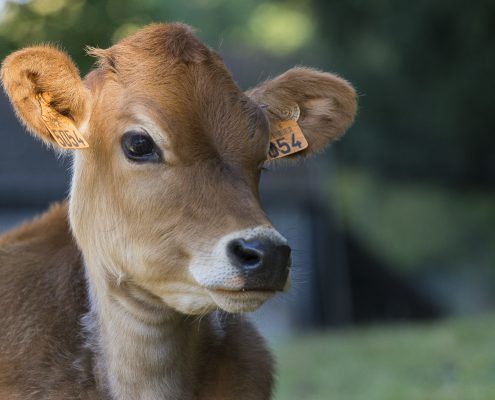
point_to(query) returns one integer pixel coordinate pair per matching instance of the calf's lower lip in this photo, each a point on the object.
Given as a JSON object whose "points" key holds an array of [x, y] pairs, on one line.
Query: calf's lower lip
{"points": [[240, 301], [229, 292]]}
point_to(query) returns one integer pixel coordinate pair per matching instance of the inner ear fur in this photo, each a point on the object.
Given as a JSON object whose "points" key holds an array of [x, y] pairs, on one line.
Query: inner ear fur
{"points": [[327, 104], [44, 69]]}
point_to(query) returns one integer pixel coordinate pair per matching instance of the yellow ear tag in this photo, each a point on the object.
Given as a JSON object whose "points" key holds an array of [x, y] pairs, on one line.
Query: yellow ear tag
{"points": [[60, 127], [286, 137]]}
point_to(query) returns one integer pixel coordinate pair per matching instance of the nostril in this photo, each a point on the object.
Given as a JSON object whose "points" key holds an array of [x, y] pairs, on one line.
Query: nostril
{"points": [[245, 254], [263, 262], [284, 252]]}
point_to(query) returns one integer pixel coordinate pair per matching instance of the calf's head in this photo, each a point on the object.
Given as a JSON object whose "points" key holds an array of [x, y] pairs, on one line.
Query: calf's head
{"points": [[164, 201]]}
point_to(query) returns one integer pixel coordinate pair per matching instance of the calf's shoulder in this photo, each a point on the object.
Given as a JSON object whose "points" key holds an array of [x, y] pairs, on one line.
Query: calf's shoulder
{"points": [[42, 297]]}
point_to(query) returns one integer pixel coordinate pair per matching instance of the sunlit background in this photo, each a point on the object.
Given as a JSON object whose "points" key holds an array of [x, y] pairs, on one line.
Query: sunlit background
{"points": [[393, 228]]}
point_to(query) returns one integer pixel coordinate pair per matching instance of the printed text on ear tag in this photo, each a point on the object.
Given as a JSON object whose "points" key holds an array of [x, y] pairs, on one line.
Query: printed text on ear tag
{"points": [[287, 138], [61, 127]]}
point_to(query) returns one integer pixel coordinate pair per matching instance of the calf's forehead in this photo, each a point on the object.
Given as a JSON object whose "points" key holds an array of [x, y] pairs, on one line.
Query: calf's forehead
{"points": [[198, 105]]}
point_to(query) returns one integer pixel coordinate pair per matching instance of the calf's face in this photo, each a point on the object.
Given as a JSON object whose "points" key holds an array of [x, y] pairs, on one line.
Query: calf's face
{"points": [[165, 198]]}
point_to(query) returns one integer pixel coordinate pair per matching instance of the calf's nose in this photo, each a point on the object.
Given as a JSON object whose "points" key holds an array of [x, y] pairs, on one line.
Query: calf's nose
{"points": [[263, 263]]}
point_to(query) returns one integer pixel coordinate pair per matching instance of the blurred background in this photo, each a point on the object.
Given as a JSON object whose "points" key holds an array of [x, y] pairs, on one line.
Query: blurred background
{"points": [[393, 229]]}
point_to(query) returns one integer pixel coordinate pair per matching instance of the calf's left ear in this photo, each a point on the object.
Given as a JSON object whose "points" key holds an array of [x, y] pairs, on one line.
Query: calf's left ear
{"points": [[326, 104]]}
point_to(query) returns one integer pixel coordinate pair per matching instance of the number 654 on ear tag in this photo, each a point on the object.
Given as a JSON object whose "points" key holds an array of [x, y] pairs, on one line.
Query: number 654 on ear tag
{"points": [[287, 138]]}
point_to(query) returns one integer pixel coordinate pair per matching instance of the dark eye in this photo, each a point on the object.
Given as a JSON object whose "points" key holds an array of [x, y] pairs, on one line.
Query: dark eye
{"points": [[138, 146]]}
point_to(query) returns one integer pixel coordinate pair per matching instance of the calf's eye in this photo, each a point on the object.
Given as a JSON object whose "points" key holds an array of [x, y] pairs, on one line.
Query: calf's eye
{"points": [[139, 147]]}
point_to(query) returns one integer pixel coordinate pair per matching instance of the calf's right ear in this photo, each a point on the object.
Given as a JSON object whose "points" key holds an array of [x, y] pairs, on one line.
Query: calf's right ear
{"points": [[44, 71]]}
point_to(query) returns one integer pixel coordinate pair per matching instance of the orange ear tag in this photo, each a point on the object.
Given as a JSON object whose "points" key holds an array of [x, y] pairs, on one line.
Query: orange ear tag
{"points": [[287, 138], [60, 127]]}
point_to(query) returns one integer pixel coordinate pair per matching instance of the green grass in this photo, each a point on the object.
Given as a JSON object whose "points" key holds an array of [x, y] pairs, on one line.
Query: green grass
{"points": [[450, 360]]}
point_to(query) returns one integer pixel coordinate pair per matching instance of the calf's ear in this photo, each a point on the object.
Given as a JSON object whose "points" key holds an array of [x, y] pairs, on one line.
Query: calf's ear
{"points": [[326, 104], [46, 72]]}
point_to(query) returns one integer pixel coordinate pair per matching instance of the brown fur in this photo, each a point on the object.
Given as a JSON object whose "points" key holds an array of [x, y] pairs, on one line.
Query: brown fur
{"points": [[146, 239]]}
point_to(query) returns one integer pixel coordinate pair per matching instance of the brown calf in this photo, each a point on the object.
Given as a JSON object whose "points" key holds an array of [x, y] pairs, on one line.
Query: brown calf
{"points": [[163, 222]]}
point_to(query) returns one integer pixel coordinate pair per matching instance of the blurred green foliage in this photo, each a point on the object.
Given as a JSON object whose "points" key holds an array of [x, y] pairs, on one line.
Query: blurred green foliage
{"points": [[418, 183], [278, 27], [425, 70], [417, 224], [452, 360]]}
